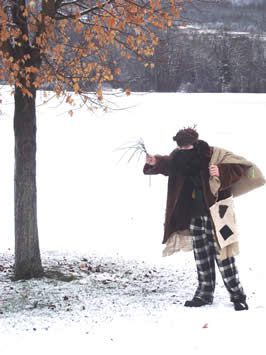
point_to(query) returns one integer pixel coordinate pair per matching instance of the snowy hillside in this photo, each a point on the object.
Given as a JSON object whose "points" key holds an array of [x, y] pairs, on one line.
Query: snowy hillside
{"points": [[101, 222]]}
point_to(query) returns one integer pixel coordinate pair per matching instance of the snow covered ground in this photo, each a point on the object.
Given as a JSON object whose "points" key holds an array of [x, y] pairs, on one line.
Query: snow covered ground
{"points": [[101, 222]]}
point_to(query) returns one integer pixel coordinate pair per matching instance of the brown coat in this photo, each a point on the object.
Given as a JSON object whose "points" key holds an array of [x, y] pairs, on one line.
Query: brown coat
{"points": [[229, 174]]}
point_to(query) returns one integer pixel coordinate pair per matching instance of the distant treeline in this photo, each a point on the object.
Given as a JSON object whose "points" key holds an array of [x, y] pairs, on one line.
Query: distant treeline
{"points": [[201, 61], [232, 15], [227, 52]]}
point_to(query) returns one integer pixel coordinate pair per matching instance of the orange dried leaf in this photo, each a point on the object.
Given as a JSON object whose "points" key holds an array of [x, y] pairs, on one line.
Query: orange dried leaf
{"points": [[69, 99], [76, 87], [16, 66], [127, 92], [117, 71], [99, 94]]}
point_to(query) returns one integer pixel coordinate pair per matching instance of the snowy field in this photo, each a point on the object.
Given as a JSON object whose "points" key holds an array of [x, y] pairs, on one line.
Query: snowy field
{"points": [[101, 222]]}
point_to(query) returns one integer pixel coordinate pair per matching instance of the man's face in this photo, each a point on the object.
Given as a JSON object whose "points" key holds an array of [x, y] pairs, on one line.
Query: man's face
{"points": [[186, 147]]}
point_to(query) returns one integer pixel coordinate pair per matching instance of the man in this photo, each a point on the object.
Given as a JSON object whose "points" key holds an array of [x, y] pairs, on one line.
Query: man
{"points": [[199, 210]]}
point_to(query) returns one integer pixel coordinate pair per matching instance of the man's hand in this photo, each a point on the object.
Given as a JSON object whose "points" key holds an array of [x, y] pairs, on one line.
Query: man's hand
{"points": [[214, 170], [150, 159]]}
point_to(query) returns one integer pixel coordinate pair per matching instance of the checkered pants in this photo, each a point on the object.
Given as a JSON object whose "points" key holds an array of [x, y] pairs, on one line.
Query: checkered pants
{"points": [[205, 252]]}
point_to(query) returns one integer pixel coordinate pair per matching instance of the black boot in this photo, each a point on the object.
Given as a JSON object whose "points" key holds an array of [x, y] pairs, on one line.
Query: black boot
{"points": [[196, 302], [240, 306]]}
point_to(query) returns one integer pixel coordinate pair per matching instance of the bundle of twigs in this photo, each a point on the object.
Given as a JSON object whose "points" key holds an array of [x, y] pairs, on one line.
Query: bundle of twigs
{"points": [[136, 149]]}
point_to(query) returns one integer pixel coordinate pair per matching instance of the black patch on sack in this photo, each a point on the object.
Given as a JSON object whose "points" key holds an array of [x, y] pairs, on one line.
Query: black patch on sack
{"points": [[222, 210], [226, 232]]}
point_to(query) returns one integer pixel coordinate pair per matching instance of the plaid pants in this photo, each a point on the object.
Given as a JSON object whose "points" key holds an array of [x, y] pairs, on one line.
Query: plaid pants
{"points": [[205, 252]]}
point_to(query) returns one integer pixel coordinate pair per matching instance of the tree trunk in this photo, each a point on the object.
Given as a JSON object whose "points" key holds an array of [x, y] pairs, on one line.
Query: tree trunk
{"points": [[27, 252]]}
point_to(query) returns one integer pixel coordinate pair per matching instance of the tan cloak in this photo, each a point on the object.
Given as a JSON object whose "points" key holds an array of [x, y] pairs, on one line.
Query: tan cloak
{"points": [[252, 179]]}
